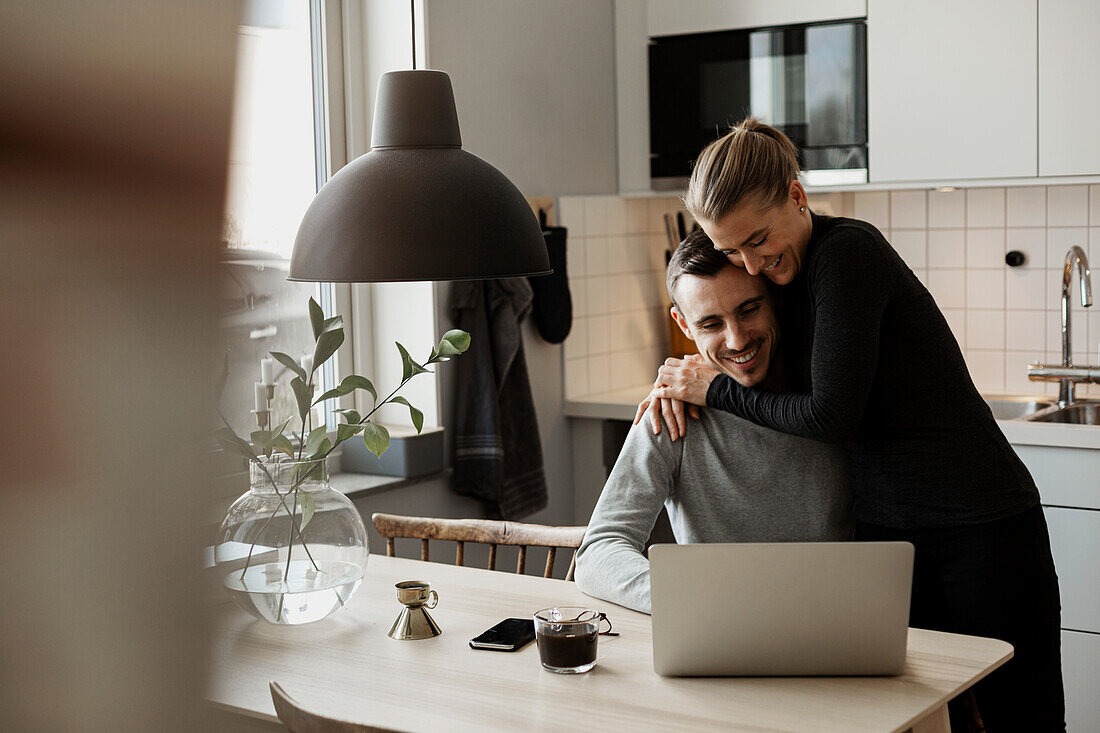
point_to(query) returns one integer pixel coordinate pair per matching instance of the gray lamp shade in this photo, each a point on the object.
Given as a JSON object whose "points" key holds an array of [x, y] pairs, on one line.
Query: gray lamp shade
{"points": [[417, 206]]}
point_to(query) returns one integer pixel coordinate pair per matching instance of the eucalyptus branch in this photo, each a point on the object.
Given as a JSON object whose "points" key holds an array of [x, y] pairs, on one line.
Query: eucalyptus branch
{"points": [[289, 552], [282, 503]]}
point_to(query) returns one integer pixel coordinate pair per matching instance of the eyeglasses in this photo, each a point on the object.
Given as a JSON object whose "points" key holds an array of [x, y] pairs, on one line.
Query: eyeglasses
{"points": [[599, 617]]}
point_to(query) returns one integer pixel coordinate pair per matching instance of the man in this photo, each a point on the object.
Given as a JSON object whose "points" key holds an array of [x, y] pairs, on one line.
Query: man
{"points": [[725, 479]]}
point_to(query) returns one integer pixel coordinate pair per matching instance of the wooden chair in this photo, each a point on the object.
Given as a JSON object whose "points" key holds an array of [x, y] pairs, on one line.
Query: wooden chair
{"points": [[483, 531], [298, 720]]}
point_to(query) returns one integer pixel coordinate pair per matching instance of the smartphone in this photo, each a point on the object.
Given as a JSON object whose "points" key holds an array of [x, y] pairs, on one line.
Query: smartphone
{"points": [[507, 636]]}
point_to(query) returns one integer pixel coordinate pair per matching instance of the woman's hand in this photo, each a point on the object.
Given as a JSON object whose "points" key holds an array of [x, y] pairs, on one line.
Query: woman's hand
{"points": [[679, 381]]}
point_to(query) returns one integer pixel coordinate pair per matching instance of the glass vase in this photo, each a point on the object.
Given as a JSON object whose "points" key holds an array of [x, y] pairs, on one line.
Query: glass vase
{"points": [[291, 572]]}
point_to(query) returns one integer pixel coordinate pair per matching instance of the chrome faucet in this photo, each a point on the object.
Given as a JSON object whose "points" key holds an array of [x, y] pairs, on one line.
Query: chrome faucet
{"points": [[1068, 375], [1075, 258]]}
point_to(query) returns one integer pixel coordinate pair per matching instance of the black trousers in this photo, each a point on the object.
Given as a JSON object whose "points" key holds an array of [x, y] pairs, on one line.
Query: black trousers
{"points": [[995, 579]]}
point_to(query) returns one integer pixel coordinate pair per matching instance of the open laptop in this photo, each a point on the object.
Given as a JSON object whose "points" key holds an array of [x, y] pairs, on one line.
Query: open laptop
{"points": [[780, 609]]}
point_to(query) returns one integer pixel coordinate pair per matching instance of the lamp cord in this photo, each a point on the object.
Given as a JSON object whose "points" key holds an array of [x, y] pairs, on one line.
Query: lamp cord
{"points": [[412, 17]]}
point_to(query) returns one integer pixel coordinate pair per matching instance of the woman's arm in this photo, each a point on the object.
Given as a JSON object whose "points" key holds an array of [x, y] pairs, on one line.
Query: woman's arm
{"points": [[851, 278]]}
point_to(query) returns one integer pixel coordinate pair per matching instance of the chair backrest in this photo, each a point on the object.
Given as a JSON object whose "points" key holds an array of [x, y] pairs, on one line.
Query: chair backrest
{"points": [[483, 531], [298, 720]]}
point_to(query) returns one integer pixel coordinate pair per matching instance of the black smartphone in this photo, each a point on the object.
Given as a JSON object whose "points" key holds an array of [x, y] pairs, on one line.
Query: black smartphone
{"points": [[507, 636]]}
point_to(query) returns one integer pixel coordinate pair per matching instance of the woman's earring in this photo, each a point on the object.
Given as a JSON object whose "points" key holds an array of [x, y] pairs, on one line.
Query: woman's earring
{"points": [[801, 209]]}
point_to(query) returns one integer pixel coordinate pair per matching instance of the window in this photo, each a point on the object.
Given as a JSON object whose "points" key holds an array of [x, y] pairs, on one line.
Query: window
{"points": [[278, 160]]}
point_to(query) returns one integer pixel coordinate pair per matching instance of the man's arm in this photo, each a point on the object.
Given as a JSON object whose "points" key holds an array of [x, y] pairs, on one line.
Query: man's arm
{"points": [[610, 563]]}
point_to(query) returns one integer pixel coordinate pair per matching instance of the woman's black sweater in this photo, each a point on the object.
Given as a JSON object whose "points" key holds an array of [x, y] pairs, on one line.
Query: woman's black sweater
{"points": [[882, 374]]}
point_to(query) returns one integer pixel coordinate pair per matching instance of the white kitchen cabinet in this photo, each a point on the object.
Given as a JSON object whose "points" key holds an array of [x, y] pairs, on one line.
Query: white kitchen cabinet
{"points": [[673, 17], [1075, 542], [951, 89], [1080, 662], [1069, 105], [1069, 488]]}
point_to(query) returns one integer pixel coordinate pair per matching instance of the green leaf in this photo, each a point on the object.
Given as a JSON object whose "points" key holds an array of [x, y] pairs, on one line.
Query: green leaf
{"points": [[283, 445], [416, 415], [305, 471], [333, 323], [409, 368], [231, 443], [264, 440], [261, 439], [376, 438], [316, 318], [305, 500], [301, 395], [313, 441], [455, 339], [351, 383], [327, 344], [346, 430], [352, 416], [288, 361]]}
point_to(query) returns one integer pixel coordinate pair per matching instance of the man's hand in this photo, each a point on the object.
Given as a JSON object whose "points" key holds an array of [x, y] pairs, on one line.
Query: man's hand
{"points": [[679, 381]]}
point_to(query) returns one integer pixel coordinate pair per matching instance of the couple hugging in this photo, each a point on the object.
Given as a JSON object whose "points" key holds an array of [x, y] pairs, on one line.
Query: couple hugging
{"points": [[862, 424]]}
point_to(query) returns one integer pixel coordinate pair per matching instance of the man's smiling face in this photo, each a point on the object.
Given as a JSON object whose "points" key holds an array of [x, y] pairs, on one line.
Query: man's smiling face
{"points": [[731, 319]]}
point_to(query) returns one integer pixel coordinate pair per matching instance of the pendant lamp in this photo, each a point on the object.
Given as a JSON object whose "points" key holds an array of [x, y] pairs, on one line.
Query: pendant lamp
{"points": [[417, 206]]}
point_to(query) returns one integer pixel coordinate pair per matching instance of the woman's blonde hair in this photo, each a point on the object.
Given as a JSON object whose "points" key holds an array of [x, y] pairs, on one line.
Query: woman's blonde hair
{"points": [[753, 161]]}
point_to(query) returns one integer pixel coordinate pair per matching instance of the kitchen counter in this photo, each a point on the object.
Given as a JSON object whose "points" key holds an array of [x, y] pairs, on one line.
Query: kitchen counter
{"points": [[621, 404]]}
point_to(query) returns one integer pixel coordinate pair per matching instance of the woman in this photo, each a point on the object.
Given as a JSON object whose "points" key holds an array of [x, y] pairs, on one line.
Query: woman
{"points": [[883, 375]]}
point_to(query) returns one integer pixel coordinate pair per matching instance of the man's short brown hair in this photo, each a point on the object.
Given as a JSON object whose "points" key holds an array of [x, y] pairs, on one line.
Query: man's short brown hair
{"points": [[697, 256]]}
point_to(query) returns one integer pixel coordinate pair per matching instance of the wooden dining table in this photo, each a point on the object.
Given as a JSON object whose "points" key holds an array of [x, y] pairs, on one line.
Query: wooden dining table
{"points": [[346, 667]]}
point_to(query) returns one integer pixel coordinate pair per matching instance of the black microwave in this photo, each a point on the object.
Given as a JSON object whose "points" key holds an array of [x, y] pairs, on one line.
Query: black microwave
{"points": [[810, 81]]}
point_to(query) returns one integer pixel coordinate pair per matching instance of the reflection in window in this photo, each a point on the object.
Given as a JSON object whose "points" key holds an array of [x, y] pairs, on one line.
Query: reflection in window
{"points": [[272, 179]]}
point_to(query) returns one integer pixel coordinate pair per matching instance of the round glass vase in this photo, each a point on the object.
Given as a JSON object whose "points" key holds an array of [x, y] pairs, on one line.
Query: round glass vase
{"points": [[284, 572]]}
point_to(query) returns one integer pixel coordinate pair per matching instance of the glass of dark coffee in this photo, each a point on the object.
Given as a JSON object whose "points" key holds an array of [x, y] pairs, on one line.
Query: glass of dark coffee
{"points": [[566, 637]]}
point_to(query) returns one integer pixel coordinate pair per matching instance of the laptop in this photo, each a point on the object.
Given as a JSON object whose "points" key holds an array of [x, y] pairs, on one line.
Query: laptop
{"points": [[780, 609]]}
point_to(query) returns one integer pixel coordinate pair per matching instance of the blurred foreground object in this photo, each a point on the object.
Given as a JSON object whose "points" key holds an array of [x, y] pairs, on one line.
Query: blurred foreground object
{"points": [[114, 132]]}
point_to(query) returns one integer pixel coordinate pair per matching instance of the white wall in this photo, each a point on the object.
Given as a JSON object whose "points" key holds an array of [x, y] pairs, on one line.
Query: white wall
{"points": [[534, 87]]}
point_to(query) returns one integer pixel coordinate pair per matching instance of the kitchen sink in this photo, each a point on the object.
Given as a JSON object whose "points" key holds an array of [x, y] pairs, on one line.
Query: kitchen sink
{"points": [[1079, 413], [1012, 408]]}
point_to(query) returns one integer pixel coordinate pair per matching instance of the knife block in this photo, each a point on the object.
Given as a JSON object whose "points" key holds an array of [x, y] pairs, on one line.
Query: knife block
{"points": [[678, 344]]}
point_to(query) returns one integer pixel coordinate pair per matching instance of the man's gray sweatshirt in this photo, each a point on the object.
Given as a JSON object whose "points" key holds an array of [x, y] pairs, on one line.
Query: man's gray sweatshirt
{"points": [[726, 480]]}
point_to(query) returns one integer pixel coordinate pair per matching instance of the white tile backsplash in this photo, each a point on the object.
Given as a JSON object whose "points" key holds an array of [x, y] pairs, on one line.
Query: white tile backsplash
{"points": [[576, 345], [873, 207], [599, 335], [985, 289], [637, 216], [596, 251], [985, 207], [1026, 331], [1031, 241], [1068, 206], [1025, 289], [1027, 207], [599, 373], [948, 287], [908, 210], [576, 377], [954, 241], [912, 245], [1059, 241], [946, 209], [985, 330], [597, 295], [987, 369], [946, 248], [956, 319], [985, 248]]}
